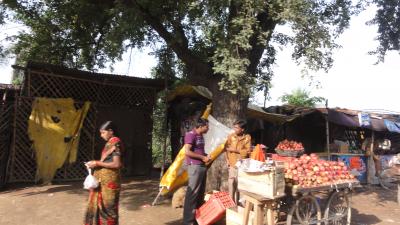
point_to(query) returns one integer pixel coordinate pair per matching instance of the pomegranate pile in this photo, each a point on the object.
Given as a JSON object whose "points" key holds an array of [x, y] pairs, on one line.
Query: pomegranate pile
{"points": [[310, 171], [287, 145]]}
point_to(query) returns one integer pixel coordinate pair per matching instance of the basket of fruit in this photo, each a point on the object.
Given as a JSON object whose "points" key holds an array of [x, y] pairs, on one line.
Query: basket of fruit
{"points": [[289, 148]]}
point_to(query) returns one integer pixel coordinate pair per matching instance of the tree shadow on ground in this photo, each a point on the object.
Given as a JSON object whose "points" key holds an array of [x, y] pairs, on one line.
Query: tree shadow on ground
{"points": [[363, 219], [383, 195], [141, 193], [34, 189], [135, 192]]}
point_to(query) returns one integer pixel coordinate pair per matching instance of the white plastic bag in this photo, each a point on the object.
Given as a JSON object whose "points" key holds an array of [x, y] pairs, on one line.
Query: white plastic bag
{"points": [[90, 181], [251, 166]]}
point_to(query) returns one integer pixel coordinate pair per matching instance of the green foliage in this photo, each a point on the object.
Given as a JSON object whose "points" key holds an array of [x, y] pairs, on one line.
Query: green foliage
{"points": [[388, 20], [301, 97], [169, 67], [160, 133], [233, 40], [165, 69], [2, 21], [17, 78]]}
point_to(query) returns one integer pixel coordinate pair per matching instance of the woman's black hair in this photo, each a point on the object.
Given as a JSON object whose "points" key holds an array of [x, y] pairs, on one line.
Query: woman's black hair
{"points": [[109, 125]]}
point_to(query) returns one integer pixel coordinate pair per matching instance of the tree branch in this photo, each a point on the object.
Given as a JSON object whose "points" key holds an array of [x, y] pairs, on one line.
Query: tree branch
{"points": [[102, 31], [257, 50], [180, 47], [180, 33]]}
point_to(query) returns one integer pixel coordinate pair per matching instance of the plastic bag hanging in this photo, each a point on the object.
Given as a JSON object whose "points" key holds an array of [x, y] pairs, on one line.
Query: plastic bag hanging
{"points": [[90, 181]]}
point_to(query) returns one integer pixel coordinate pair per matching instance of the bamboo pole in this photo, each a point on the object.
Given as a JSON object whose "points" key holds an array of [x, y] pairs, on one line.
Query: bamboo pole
{"points": [[165, 126]]}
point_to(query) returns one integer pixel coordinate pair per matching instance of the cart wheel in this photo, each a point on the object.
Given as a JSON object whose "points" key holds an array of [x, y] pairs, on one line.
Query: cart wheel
{"points": [[305, 211], [338, 210]]}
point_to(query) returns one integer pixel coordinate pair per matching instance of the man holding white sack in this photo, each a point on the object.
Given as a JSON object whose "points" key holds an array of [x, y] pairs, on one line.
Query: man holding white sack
{"points": [[196, 160], [238, 146]]}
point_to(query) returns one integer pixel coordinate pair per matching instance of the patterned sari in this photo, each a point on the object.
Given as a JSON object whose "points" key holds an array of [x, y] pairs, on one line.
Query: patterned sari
{"points": [[103, 201]]}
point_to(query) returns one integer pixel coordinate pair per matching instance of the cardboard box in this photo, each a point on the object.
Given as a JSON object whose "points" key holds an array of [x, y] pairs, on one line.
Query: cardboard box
{"points": [[344, 148], [269, 184], [234, 216]]}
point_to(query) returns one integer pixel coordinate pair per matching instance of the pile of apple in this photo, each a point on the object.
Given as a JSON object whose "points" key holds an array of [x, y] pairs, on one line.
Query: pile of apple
{"points": [[310, 171], [287, 145]]}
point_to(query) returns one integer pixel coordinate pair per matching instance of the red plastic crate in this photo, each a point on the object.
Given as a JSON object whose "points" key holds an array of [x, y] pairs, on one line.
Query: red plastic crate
{"points": [[214, 209]]}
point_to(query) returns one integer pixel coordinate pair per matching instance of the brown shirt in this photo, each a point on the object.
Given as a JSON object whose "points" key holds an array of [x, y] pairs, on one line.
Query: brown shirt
{"points": [[241, 143]]}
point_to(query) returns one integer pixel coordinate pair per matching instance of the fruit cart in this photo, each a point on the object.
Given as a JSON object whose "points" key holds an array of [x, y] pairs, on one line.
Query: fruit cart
{"points": [[304, 188], [317, 192]]}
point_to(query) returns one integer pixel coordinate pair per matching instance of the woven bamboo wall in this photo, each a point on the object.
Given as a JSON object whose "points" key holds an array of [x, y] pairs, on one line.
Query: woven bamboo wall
{"points": [[6, 115], [42, 84], [101, 93], [23, 165]]}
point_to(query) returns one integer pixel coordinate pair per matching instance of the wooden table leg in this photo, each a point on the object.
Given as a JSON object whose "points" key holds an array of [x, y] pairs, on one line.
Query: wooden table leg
{"points": [[246, 213], [259, 214], [270, 214]]}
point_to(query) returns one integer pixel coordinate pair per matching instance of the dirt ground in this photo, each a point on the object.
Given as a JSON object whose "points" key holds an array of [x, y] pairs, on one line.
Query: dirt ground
{"points": [[64, 204]]}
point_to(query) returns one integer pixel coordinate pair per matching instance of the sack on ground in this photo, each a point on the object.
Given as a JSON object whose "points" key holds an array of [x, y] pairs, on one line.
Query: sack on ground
{"points": [[90, 181]]}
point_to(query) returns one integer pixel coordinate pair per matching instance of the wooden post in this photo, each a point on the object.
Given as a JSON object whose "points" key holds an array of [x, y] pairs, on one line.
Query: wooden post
{"points": [[371, 157], [327, 130], [29, 83]]}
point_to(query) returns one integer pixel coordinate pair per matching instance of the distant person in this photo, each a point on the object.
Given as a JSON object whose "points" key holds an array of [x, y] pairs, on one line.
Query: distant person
{"points": [[196, 159], [103, 201], [238, 146]]}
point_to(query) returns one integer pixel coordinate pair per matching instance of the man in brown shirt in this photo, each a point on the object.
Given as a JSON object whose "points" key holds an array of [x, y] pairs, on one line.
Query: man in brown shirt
{"points": [[237, 147]]}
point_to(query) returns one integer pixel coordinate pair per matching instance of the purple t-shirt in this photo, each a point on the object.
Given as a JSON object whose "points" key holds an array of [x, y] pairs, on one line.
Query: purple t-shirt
{"points": [[197, 142]]}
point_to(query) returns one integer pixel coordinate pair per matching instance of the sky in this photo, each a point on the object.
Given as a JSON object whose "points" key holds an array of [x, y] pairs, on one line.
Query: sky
{"points": [[354, 82]]}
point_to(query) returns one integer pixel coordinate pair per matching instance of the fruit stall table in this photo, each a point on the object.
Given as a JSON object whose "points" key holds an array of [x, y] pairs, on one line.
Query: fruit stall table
{"points": [[259, 203]]}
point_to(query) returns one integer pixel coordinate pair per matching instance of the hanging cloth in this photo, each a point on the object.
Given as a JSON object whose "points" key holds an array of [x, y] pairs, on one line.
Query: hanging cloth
{"points": [[54, 127]]}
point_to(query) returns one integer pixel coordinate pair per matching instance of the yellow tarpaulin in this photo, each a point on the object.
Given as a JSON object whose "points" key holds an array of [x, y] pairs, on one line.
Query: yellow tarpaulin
{"points": [[176, 175], [54, 127]]}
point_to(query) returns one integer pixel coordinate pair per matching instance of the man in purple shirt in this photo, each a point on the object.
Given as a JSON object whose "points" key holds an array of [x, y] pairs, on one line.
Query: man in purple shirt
{"points": [[197, 171]]}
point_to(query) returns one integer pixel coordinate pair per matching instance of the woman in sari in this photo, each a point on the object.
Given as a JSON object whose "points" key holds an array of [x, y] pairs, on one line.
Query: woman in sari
{"points": [[103, 201]]}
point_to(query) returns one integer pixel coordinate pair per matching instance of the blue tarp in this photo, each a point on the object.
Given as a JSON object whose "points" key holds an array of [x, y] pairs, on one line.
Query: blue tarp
{"points": [[392, 126]]}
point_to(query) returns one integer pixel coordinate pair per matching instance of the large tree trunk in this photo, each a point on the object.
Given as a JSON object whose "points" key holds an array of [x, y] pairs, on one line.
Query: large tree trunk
{"points": [[226, 108]]}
